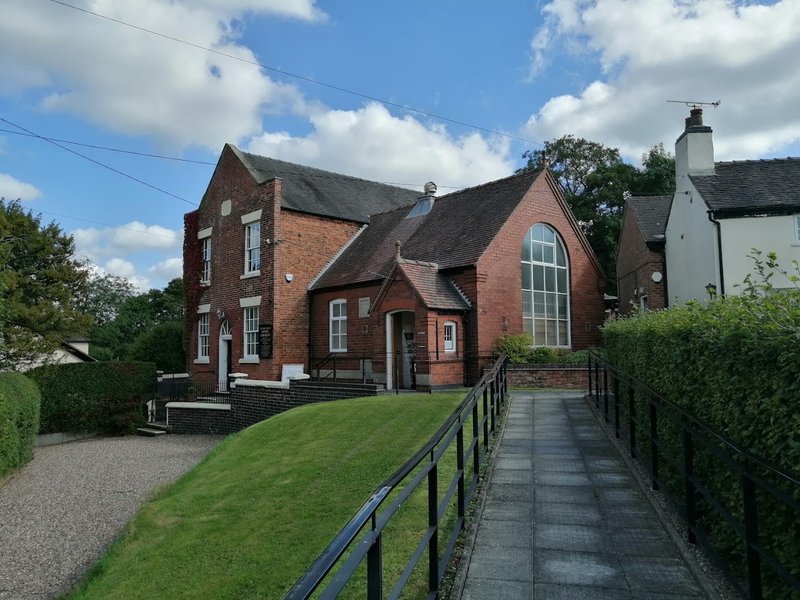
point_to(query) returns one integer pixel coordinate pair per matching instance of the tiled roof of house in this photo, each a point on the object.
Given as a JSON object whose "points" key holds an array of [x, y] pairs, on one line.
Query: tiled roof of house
{"points": [[455, 233], [319, 192], [651, 214], [752, 185], [435, 290]]}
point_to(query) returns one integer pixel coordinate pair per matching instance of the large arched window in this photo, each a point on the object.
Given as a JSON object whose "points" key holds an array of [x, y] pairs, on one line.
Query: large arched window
{"points": [[545, 287]]}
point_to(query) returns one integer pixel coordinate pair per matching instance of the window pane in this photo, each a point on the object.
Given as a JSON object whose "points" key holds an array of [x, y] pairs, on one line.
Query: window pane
{"points": [[562, 333], [539, 332], [547, 255], [562, 306], [526, 276], [537, 252], [550, 279], [552, 333], [526, 249], [527, 326], [538, 232], [561, 258], [561, 275], [538, 277], [548, 235], [550, 305], [526, 304], [538, 304]]}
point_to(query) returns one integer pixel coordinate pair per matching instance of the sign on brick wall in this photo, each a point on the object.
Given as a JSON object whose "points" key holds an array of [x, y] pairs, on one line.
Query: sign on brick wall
{"points": [[265, 341]]}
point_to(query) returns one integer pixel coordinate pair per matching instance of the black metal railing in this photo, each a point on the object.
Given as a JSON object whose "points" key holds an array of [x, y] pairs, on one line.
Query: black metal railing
{"points": [[740, 509], [185, 390], [361, 541]]}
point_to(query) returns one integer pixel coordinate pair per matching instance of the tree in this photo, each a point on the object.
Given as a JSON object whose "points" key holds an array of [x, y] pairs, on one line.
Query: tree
{"points": [[39, 282], [596, 182], [103, 296], [163, 345]]}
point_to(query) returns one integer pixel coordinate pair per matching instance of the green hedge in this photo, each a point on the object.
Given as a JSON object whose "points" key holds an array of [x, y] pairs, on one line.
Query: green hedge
{"points": [[19, 420], [735, 364], [520, 350], [100, 396]]}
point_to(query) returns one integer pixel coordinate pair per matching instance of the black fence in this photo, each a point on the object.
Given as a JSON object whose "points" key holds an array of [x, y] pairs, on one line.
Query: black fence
{"points": [[741, 510], [355, 557]]}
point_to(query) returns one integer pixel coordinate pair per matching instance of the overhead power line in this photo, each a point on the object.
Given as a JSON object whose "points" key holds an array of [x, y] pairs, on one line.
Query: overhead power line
{"points": [[98, 163], [300, 77]]}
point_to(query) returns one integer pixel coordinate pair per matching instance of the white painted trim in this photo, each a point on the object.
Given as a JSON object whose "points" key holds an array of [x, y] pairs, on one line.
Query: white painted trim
{"points": [[249, 360], [204, 233], [203, 308], [175, 376], [251, 217], [203, 360], [199, 405], [255, 273], [250, 302], [261, 383]]}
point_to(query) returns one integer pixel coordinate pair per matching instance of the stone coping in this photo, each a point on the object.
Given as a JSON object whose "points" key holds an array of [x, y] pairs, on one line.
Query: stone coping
{"points": [[199, 405]]}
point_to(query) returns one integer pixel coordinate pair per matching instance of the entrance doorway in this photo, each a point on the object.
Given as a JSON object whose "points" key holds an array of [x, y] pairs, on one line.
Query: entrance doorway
{"points": [[224, 364], [401, 350]]}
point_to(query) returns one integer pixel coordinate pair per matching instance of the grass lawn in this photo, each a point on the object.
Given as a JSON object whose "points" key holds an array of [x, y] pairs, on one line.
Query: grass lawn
{"points": [[250, 519]]}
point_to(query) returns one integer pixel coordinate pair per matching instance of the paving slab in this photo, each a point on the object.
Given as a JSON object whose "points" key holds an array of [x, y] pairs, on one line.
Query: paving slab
{"points": [[563, 517]]}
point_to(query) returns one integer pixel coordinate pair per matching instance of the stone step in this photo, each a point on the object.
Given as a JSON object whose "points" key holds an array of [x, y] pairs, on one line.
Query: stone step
{"points": [[150, 432], [162, 425]]}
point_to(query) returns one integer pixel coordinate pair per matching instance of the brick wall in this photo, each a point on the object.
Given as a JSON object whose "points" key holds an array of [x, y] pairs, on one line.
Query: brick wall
{"points": [[636, 263], [573, 377], [253, 404]]}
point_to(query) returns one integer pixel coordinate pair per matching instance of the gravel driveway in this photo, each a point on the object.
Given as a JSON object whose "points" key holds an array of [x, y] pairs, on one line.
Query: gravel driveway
{"points": [[60, 512]]}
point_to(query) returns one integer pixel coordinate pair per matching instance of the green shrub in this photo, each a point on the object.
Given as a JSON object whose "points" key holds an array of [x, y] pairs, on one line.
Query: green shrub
{"points": [[100, 396], [520, 351], [735, 364], [517, 348], [19, 420]]}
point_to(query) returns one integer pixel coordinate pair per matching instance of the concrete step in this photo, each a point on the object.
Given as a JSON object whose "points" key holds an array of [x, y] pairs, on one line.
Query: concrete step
{"points": [[150, 432], [158, 425]]}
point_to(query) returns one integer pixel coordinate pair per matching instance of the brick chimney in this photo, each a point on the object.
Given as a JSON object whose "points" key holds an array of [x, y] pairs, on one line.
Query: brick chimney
{"points": [[694, 149]]}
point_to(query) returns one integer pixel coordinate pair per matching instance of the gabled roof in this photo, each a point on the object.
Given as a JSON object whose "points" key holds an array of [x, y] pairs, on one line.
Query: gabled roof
{"points": [[455, 233], [651, 214], [752, 186], [309, 190], [435, 290], [77, 352]]}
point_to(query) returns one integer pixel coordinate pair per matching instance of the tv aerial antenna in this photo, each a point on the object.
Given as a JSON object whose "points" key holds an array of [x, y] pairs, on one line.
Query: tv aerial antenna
{"points": [[696, 103]]}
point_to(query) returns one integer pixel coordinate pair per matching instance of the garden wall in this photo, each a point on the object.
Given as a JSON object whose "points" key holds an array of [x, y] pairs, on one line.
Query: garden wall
{"points": [[571, 377]]}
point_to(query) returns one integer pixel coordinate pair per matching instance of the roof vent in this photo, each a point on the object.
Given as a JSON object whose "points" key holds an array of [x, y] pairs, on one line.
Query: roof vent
{"points": [[424, 204]]}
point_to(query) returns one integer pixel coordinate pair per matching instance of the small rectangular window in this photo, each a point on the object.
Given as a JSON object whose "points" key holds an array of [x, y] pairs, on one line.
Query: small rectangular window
{"points": [[252, 247], [251, 332], [205, 251], [363, 307], [338, 326], [202, 336], [449, 337]]}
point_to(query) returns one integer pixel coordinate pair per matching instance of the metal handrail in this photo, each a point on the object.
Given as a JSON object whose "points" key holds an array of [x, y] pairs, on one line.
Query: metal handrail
{"points": [[693, 438], [492, 391]]}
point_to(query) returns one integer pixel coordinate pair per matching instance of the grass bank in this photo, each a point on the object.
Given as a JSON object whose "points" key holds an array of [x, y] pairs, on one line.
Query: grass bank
{"points": [[249, 520]]}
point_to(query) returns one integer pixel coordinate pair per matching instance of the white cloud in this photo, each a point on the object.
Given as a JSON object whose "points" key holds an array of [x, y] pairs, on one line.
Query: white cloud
{"points": [[125, 268], [136, 83], [13, 189], [649, 52], [125, 239], [167, 269], [372, 143]]}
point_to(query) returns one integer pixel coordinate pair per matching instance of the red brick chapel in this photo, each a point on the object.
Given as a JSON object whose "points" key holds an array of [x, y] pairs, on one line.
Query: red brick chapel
{"points": [[286, 264]]}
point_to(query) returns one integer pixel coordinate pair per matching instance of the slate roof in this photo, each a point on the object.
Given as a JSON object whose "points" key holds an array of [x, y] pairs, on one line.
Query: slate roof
{"points": [[651, 214], [752, 186], [435, 290], [319, 192], [455, 233]]}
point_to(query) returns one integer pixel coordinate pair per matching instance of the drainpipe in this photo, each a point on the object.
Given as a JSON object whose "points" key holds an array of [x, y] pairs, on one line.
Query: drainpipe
{"points": [[719, 251]]}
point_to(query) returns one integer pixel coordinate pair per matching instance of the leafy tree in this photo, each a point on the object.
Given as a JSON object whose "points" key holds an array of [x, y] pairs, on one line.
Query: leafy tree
{"points": [[103, 296], [596, 181], [163, 345], [39, 282]]}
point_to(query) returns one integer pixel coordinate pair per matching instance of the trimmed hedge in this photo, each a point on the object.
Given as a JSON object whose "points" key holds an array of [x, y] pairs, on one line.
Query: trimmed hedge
{"points": [[19, 420], [100, 396], [735, 364], [520, 350]]}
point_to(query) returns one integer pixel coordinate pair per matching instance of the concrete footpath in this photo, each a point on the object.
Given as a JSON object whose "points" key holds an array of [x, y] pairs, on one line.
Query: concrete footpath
{"points": [[563, 517]]}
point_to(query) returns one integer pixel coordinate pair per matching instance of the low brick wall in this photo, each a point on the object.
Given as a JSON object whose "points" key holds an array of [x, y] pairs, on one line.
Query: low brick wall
{"points": [[251, 403], [572, 377]]}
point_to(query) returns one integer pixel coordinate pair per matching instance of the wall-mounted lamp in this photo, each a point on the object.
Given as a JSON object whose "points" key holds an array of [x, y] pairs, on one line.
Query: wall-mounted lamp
{"points": [[220, 314], [711, 290]]}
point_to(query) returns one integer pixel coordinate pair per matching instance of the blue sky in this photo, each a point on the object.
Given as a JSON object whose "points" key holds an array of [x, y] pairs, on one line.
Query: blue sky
{"points": [[522, 72]]}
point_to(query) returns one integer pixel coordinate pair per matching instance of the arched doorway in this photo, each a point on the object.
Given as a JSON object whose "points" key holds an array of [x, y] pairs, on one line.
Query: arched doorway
{"points": [[224, 365], [401, 350]]}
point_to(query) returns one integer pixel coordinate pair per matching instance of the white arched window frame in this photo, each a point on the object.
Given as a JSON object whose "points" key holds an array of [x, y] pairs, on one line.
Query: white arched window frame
{"points": [[545, 287]]}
